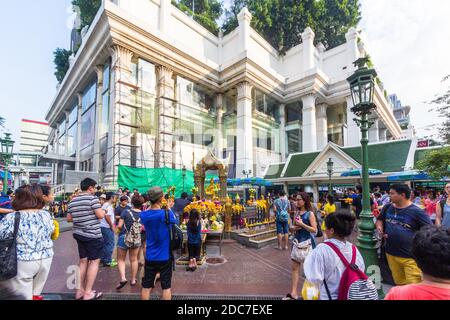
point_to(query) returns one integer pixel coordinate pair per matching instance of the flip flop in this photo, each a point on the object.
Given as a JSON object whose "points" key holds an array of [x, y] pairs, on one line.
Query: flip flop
{"points": [[121, 284], [97, 296]]}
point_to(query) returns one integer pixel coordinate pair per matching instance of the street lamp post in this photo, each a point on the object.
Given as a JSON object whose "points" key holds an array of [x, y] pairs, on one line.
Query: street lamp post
{"points": [[7, 153], [184, 175], [246, 173], [362, 87], [330, 165]]}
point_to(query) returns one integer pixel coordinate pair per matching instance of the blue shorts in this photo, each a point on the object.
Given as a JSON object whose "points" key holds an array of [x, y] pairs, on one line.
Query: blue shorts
{"points": [[121, 242], [282, 227]]}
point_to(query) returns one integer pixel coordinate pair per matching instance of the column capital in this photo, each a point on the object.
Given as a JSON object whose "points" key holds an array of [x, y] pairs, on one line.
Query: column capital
{"points": [[321, 110], [79, 96], [219, 101], [99, 71], [309, 101], [244, 90], [121, 57], [164, 72]]}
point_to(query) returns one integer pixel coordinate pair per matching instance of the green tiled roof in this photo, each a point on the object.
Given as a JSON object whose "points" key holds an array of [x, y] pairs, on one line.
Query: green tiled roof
{"points": [[299, 163], [274, 171], [387, 157]]}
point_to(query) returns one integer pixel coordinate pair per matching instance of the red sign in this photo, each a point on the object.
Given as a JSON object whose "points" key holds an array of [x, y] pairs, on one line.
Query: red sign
{"points": [[422, 144]]}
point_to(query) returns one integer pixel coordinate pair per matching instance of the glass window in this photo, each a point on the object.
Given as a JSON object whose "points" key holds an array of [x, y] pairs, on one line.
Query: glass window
{"points": [[87, 128], [61, 149], [62, 128], [73, 116], [265, 104], [72, 140], [294, 112], [104, 126], [106, 77], [294, 141], [193, 95], [89, 96], [147, 76]]}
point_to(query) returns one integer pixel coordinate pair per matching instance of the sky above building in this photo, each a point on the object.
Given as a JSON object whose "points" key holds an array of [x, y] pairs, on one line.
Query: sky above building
{"points": [[407, 39]]}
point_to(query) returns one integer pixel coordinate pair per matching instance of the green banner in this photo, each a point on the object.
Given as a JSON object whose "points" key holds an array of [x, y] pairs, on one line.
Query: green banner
{"points": [[143, 179]]}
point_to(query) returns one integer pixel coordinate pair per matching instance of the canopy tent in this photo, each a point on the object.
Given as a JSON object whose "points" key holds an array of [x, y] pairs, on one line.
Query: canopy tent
{"points": [[143, 179], [357, 173], [409, 176]]}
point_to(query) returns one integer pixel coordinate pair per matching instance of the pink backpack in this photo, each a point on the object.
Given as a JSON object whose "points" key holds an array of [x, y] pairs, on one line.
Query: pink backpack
{"points": [[354, 285]]}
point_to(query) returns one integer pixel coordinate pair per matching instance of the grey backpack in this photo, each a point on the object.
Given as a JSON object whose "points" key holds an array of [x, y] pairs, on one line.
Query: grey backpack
{"points": [[133, 236]]}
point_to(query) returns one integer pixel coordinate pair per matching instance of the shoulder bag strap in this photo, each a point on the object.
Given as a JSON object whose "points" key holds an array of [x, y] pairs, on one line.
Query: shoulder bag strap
{"points": [[327, 289], [339, 253], [16, 225]]}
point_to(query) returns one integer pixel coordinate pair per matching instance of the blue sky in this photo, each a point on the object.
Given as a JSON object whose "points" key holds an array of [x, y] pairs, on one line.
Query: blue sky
{"points": [[407, 39]]}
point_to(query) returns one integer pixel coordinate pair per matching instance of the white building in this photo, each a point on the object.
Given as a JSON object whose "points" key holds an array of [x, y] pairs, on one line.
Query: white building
{"points": [[150, 87]]}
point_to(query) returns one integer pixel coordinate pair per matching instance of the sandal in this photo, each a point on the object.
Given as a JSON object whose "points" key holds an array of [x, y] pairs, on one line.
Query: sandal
{"points": [[121, 284], [97, 296], [289, 297]]}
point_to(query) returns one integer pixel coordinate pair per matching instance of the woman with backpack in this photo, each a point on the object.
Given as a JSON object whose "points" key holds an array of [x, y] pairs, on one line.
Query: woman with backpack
{"points": [[281, 208], [304, 226], [336, 266], [129, 240], [194, 241]]}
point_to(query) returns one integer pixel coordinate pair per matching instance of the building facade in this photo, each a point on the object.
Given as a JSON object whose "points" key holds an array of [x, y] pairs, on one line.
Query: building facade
{"points": [[150, 87], [401, 114]]}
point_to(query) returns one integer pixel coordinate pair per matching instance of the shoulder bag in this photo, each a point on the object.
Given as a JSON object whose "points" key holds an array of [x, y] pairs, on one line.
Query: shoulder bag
{"points": [[8, 253]]}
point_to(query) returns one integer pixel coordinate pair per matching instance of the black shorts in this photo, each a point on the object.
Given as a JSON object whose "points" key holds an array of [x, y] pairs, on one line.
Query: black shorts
{"points": [[143, 238], [164, 268], [91, 249], [194, 251]]}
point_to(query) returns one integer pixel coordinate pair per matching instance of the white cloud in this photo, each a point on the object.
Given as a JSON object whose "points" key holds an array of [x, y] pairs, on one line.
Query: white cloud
{"points": [[409, 44]]}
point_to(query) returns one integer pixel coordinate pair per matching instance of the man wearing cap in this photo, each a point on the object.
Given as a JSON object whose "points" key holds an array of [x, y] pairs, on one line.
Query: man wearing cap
{"points": [[5, 203], [123, 205], [158, 257]]}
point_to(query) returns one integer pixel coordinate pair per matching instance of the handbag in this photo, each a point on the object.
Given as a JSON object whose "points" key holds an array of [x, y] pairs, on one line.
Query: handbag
{"points": [[300, 250], [8, 253]]}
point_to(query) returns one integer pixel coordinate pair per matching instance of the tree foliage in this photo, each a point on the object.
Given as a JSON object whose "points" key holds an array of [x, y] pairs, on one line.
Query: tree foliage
{"points": [[281, 22], [61, 60], [2, 122], [205, 12], [436, 163], [88, 9], [442, 105]]}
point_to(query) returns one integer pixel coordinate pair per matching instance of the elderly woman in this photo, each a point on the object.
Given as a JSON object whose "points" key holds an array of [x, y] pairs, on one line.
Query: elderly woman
{"points": [[34, 243]]}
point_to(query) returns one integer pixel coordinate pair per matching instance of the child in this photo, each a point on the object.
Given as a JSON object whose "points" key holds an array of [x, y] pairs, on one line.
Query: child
{"points": [[194, 232]]}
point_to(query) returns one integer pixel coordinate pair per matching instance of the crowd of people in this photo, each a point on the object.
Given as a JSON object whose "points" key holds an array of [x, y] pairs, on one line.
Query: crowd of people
{"points": [[414, 233]]}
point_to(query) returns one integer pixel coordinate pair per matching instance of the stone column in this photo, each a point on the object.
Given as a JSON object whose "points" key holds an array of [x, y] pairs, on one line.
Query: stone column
{"points": [[286, 188], [315, 192], [164, 155], [283, 140], [98, 118], [120, 73], [219, 130], [383, 134], [244, 147], [78, 146], [309, 123], [352, 49], [308, 49], [373, 132], [322, 126], [353, 136], [66, 136]]}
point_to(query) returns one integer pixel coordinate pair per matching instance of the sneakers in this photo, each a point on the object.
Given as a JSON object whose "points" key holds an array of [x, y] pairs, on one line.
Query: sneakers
{"points": [[111, 265]]}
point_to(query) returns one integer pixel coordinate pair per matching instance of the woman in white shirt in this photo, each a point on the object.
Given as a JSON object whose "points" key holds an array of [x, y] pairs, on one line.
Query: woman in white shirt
{"points": [[323, 263]]}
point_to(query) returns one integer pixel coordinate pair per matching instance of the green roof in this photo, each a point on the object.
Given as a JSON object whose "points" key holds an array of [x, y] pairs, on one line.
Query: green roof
{"points": [[274, 171], [299, 163], [387, 157]]}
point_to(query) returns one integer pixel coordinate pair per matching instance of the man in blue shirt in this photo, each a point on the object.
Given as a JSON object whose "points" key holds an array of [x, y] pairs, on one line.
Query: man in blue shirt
{"points": [[399, 222], [158, 258], [5, 203]]}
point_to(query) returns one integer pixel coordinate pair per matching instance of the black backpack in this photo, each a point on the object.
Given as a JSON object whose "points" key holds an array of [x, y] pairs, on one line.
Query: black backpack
{"points": [[176, 234]]}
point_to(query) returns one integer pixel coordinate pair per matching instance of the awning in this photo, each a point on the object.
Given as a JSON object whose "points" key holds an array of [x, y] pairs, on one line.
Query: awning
{"points": [[357, 173], [409, 176]]}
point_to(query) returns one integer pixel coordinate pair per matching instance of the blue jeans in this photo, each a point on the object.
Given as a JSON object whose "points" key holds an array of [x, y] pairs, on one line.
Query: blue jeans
{"points": [[108, 247], [282, 227]]}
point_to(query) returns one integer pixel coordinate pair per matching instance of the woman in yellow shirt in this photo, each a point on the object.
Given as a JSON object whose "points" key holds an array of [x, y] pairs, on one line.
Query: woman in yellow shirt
{"points": [[329, 208]]}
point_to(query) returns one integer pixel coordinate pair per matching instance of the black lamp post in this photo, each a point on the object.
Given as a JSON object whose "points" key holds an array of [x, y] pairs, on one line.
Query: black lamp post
{"points": [[330, 174], [246, 173], [362, 87], [184, 175], [7, 146]]}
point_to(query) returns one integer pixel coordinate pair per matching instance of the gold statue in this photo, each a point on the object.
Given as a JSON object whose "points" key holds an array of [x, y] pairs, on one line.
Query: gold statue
{"points": [[212, 191]]}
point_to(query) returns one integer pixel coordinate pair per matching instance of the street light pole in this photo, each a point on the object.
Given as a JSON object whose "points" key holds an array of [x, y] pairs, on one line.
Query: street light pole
{"points": [[184, 175], [330, 165], [362, 85]]}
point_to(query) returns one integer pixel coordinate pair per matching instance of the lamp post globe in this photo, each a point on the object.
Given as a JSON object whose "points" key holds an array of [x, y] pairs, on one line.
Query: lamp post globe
{"points": [[362, 88], [7, 146]]}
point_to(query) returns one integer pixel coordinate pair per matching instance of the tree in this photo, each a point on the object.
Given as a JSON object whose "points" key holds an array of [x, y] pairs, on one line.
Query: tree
{"points": [[62, 64], [205, 12], [88, 9], [281, 22], [436, 163], [442, 105], [2, 122]]}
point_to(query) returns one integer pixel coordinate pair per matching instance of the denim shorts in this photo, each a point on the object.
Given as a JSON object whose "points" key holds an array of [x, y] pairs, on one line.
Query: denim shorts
{"points": [[121, 242], [282, 227]]}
